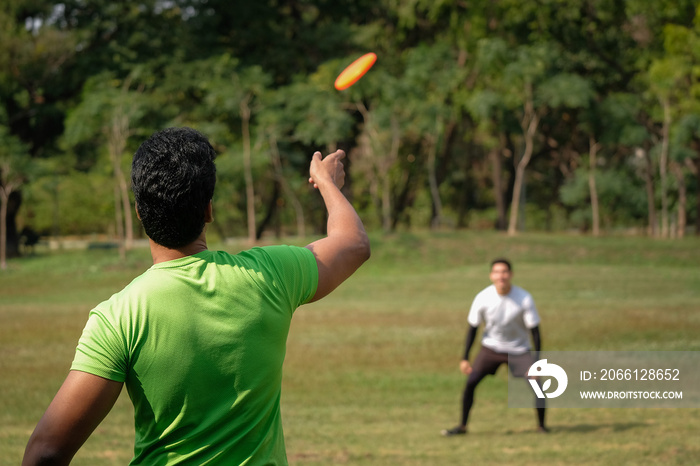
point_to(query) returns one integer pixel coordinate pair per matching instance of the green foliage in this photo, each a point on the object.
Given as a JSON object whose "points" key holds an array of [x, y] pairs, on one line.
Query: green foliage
{"points": [[483, 104], [13, 153], [448, 93], [105, 98], [307, 111], [566, 90], [76, 203], [621, 200], [15, 167], [619, 112], [687, 130]]}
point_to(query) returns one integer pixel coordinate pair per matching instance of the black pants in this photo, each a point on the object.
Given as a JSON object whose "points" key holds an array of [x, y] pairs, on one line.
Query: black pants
{"points": [[486, 363]]}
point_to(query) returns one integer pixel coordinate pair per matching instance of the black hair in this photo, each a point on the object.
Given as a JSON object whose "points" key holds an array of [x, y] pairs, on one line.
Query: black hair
{"points": [[501, 260], [173, 177]]}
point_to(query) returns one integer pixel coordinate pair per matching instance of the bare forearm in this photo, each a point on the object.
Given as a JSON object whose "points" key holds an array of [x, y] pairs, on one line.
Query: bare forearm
{"points": [[346, 246], [343, 220]]}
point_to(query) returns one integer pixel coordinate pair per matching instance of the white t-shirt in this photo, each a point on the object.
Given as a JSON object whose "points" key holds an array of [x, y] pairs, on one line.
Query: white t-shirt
{"points": [[506, 319]]}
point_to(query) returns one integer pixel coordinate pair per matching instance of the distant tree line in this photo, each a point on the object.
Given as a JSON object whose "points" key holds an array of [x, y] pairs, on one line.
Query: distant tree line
{"points": [[506, 114]]}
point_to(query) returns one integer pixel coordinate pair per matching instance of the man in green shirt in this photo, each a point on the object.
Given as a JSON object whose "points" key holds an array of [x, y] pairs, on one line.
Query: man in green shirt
{"points": [[199, 338]]}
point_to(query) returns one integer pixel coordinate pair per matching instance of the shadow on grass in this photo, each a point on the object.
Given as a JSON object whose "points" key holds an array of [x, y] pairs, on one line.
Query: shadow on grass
{"points": [[588, 428]]}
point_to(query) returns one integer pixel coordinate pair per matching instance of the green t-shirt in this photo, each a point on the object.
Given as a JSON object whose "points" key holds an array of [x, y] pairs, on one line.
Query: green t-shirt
{"points": [[199, 343]]}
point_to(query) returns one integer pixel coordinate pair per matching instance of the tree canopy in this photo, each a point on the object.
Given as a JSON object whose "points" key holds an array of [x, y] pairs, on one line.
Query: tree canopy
{"points": [[509, 114]]}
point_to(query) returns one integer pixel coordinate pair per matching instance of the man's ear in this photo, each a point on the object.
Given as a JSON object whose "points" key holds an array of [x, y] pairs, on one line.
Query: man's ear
{"points": [[209, 213], [136, 208]]}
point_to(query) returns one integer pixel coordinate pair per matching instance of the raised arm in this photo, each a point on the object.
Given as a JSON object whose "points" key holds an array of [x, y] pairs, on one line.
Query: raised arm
{"points": [[346, 246]]}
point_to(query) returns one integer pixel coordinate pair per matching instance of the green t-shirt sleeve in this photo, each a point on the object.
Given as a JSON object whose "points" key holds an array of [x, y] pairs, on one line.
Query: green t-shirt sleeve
{"points": [[101, 350], [295, 272]]}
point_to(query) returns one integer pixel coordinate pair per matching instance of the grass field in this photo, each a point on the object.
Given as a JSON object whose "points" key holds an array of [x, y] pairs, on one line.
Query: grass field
{"points": [[371, 374]]}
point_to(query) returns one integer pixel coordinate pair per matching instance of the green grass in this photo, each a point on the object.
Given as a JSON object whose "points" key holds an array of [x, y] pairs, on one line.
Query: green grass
{"points": [[371, 374]]}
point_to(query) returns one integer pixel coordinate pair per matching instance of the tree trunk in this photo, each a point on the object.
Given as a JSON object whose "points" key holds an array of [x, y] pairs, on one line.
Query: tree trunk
{"points": [[432, 176], [386, 179], [373, 176], [12, 236], [248, 167], [125, 202], [663, 166], [10, 200], [593, 163], [119, 222], [4, 199], [696, 171], [529, 125], [126, 205], [649, 185], [298, 208], [271, 210], [677, 171], [381, 181], [497, 177], [386, 204], [404, 199], [117, 136]]}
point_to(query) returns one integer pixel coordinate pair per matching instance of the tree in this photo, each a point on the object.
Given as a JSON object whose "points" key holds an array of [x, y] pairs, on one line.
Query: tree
{"points": [[297, 119], [432, 77], [380, 143], [31, 60], [530, 85], [681, 46], [107, 117], [592, 188], [559, 90], [664, 76], [686, 145], [14, 170], [468, 104], [285, 39], [488, 110], [232, 93], [591, 123], [377, 98]]}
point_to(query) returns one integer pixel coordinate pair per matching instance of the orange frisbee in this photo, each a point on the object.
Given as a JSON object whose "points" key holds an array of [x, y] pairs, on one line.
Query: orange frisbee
{"points": [[355, 71]]}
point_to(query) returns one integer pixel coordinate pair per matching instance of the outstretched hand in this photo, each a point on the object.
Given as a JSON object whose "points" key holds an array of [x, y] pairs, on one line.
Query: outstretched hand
{"points": [[328, 169], [465, 367]]}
